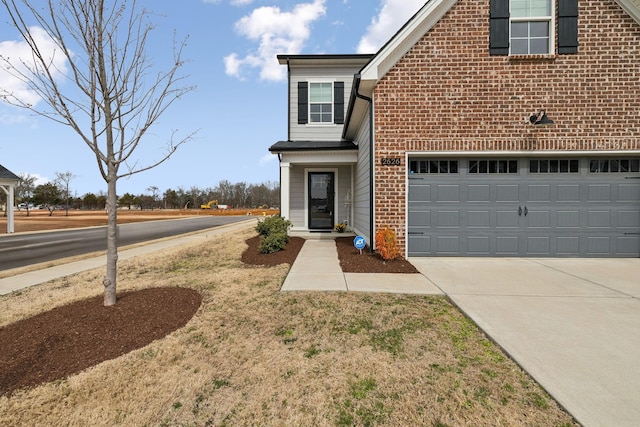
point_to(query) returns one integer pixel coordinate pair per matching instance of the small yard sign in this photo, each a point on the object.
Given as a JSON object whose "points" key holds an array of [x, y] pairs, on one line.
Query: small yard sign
{"points": [[359, 242]]}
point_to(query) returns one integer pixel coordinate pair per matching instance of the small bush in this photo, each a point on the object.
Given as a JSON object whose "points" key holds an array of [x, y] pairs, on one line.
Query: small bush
{"points": [[387, 244], [273, 234], [272, 224], [273, 242]]}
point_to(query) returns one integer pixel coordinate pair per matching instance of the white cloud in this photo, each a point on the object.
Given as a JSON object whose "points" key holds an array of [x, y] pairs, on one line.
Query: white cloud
{"points": [[267, 159], [276, 32], [12, 118], [19, 55], [233, 2], [393, 15]]}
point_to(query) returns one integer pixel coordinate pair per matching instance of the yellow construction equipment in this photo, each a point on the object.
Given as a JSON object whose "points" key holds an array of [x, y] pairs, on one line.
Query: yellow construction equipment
{"points": [[213, 204]]}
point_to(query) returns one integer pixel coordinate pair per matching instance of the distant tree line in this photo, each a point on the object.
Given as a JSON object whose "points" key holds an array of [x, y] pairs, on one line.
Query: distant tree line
{"points": [[57, 195]]}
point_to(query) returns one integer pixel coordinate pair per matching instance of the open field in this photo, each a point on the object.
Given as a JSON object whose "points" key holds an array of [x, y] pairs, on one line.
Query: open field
{"points": [[252, 355], [39, 220]]}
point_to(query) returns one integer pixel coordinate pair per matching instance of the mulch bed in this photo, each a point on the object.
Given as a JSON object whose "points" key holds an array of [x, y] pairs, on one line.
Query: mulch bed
{"points": [[71, 338], [68, 339], [288, 255], [351, 260]]}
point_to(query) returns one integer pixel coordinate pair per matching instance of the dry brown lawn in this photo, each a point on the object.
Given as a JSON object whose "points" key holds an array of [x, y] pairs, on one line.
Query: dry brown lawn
{"points": [[253, 355], [40, 220]]}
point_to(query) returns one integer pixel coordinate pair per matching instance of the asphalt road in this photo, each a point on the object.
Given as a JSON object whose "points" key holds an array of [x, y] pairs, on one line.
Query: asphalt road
{"points": [[18, 250]]}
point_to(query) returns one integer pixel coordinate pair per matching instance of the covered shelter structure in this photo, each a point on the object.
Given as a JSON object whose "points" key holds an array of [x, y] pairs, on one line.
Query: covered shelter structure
{"points": [[8, 182]]}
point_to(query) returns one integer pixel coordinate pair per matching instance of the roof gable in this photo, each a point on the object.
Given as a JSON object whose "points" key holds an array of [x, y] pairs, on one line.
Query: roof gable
{"points": [[632, 7], [395, 49], [426, 18], [6, 174]]}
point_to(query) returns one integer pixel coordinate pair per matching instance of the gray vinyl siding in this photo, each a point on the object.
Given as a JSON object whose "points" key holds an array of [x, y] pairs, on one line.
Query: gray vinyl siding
{"points": [[344, 186], [362, 194], [319, 132]]}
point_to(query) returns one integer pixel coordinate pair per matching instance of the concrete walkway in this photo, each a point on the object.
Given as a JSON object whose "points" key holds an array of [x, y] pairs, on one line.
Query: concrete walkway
{"points": [[317, 269]]}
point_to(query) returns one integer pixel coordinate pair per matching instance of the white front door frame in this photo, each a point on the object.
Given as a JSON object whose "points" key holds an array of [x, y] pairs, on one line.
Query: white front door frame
{"points": [[306, 190]]}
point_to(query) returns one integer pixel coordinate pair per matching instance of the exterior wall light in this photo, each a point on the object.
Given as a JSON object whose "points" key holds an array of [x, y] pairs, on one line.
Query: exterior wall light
{"points": [[540, 119]]}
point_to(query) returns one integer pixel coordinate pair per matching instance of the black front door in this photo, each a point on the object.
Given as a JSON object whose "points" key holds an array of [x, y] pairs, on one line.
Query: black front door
{"points": [[321, 195]]}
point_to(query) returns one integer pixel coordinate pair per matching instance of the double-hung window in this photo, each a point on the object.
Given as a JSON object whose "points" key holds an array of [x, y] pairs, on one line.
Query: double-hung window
{"points": [[320, 103], [531, 27]]}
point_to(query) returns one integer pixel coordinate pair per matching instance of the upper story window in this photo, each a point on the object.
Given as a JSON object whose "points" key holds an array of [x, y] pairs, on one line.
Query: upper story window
{"points": [[527, 27], [320, 103], [531, 24]]}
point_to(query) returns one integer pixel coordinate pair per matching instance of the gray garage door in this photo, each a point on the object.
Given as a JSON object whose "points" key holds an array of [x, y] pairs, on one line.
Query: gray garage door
{"points": [[571, 207]]}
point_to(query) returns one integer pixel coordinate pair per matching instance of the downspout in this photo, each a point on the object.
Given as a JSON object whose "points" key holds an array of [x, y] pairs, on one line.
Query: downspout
{"points": [[288, 100], [371, 160]]}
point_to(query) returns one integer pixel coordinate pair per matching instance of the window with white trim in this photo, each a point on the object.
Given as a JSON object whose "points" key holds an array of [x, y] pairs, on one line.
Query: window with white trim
{"points": [[320, 103], [531, 27]]}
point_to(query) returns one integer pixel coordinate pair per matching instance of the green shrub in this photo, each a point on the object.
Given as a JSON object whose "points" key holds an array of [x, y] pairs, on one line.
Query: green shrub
{"points": [[273, 233], [272, 224], [273, 242]]}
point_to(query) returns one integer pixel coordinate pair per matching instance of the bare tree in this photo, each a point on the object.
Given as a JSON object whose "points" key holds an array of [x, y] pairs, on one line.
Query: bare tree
{"points": [[47, 196], [154, 195], [63, 179], [108, 96], [24, 189]]}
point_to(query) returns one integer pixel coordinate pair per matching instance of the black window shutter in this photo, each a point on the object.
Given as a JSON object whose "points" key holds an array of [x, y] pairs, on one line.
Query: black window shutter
{"points": [[303, 103], [567, 26], [338, 103], [499, 27]]}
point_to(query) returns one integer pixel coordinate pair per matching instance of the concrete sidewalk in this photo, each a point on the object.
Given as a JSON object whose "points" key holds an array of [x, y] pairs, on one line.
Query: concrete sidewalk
{"points": [[572, 324], [317, 269], [24, 280]]}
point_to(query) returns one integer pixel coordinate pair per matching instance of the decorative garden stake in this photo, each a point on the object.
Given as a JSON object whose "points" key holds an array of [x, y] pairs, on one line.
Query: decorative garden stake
{"points": [[359, 242]]}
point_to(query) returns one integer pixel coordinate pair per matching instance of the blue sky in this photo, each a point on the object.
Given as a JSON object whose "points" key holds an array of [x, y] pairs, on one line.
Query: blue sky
{"points": [[239, 107]]}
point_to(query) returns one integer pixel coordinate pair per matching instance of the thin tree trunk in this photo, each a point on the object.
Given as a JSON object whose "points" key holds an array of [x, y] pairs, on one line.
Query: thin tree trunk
{"points": [[109, 281]]}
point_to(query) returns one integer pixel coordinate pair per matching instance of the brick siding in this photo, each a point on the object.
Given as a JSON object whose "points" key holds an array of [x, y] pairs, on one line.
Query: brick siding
{"points": [[448, 94]]}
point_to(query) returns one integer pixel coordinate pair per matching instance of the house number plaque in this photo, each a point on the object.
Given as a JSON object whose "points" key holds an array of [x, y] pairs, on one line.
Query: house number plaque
{"points": [[391, 161]]}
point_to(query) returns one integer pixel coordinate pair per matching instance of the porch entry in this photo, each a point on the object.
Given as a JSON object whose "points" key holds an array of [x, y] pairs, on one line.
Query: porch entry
{"points": [[321, 193]]}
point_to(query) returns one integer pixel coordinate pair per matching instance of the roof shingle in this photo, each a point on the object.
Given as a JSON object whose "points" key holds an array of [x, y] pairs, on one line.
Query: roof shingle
{"points": [[7, 174]]}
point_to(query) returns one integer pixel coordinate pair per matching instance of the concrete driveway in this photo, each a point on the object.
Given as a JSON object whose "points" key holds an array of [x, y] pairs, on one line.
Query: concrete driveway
{"points": [[573, 324]]}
